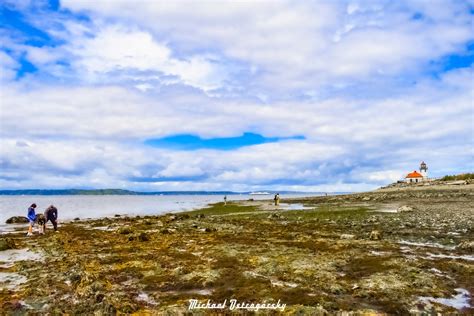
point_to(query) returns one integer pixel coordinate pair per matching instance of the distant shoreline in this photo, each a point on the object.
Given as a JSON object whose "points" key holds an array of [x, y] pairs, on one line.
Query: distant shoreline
{"points": [[128, 192]]}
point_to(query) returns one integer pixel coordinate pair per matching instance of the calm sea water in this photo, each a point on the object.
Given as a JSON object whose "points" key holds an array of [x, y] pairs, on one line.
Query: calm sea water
{"points": [[89, 206]]}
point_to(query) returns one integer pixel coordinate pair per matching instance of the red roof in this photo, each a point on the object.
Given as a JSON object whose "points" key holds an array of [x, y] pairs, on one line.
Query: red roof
{"points": [[414, 174]]}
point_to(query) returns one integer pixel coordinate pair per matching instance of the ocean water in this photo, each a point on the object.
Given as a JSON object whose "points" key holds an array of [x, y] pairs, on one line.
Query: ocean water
{"points": [[96, 206]]}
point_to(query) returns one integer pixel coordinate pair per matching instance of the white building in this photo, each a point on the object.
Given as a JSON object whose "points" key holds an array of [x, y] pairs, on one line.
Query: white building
{"points": [[415, 176], [424, 170]]}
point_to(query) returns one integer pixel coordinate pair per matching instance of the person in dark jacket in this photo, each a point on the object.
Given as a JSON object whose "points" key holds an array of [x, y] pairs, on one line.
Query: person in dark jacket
{"points": [[51, 214], [277, 199], [31, 218]]}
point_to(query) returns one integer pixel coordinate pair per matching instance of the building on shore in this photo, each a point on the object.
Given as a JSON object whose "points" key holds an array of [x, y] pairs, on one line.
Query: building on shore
{"points": [[415, 176]]}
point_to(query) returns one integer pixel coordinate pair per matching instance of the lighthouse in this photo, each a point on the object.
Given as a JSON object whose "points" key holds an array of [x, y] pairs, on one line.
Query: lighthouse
{"points": [[424, 170]]}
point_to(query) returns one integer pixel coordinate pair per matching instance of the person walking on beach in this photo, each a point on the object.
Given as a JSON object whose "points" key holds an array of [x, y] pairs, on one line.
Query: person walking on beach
{"points": [[277, 199], [225, 199], [31, 218], [51, 214]]}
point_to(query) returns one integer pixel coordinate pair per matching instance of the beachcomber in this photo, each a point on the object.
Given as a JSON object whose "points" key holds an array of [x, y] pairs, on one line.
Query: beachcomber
{"points": [[277, 199], [31, 218], [51, 214]]}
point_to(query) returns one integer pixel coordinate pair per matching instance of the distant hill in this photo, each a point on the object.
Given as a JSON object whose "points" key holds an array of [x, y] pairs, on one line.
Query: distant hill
{"points": [[106, 192], [128, 192]]}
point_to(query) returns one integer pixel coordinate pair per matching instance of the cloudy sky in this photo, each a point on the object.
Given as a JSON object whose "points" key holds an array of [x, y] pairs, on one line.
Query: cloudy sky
{"points": [[234, 95]]}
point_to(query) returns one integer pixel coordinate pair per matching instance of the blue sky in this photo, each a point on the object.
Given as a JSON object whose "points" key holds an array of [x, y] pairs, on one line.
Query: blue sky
{"points": [[191, 142], [274, 95]]}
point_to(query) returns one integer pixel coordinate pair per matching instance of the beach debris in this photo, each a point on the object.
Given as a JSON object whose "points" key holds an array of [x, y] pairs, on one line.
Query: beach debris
{"points": [[275, 216], [208, 230], [375, 235]]}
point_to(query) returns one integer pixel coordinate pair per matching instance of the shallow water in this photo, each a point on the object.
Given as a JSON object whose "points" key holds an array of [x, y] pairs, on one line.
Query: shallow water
{"points": [[10, 280], [425, 244], [87, 206], [459, 301], [294, 207], [451, 256], [12, 228], [10, 256]]}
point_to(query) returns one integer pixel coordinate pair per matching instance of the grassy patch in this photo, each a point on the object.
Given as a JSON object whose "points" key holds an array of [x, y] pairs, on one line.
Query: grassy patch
{"points": [[220, 209]]}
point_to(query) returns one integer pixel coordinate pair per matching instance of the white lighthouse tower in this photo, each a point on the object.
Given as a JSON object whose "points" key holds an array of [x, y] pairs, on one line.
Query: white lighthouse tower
{"points": [[424, 170]]}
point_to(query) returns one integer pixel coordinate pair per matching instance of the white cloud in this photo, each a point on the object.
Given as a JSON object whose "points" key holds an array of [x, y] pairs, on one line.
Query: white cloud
{"points": [[115, 53], [291, 44], [8, 67], [122, 114], [141, 70], [369, 142]]}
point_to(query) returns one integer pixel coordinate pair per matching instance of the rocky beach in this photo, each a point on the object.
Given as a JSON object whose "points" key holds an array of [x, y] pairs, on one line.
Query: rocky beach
{"points": [[393, 251]]}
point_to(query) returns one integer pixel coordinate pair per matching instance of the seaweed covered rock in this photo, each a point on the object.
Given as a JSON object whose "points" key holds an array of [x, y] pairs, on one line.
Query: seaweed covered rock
{"points": [[140, 237], [17, 220], [6, 243], [466, 245], [375, 235], [405, 208], [124, 230]]}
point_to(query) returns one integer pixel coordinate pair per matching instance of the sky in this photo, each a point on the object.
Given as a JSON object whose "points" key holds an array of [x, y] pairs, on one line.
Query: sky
{"points": [[316, 96]]}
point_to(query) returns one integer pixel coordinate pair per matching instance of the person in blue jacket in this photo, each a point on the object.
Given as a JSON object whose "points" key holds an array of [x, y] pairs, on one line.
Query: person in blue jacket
{"points": [[32, 218]]}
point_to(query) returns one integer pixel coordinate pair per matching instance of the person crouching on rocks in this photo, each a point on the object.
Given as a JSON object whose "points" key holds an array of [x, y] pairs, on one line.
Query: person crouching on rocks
{"points": [[31, 218], [41, 220], [51, 214]]}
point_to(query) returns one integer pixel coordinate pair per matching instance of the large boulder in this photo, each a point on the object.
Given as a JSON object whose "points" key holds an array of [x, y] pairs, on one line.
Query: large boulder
{"points": [[17, 220]]}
